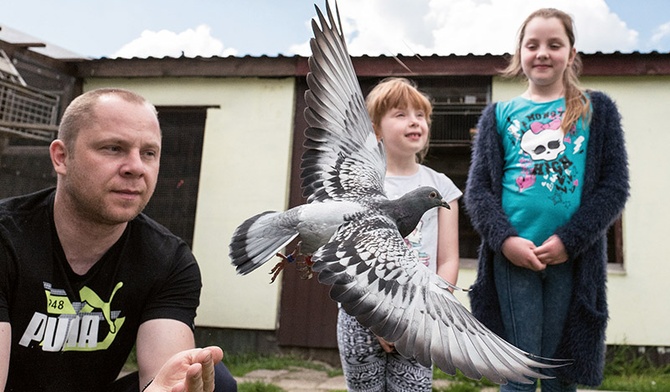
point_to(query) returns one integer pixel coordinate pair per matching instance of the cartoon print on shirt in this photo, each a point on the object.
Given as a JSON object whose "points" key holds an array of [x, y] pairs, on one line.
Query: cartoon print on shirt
{"points": [[73, 326], [414, 240], [543, 142], [527, 178], [542, 160], [514, 130]]}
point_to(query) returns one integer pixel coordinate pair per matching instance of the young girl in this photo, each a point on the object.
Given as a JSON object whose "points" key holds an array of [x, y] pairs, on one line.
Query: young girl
{"points": [[549, 175], [400, 115]]}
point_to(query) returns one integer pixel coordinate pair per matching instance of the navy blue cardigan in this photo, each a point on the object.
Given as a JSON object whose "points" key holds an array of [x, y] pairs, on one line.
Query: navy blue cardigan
{"points": [[606, 189]]}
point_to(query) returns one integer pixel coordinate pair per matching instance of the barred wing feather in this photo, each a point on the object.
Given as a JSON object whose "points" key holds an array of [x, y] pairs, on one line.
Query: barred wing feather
{"points": [[343, 158], [380, 281]]}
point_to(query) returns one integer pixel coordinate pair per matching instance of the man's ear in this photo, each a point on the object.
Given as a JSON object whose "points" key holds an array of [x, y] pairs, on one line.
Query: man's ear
{"points": [[58, 152]]}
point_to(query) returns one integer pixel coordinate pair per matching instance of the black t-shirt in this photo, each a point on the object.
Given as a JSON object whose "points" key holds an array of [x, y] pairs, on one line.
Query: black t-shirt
{"points": [[72, 332]]}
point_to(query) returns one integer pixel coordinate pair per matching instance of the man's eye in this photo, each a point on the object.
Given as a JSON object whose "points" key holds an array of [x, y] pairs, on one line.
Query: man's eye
{"points": [[151, 154]]}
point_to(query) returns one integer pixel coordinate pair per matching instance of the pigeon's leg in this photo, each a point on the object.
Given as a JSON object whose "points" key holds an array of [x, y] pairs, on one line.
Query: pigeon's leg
{"points": [[305, 268], [284, 261]]}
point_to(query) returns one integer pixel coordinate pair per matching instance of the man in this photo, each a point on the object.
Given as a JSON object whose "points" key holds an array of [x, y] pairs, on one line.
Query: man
{"points": [[84, 276]]}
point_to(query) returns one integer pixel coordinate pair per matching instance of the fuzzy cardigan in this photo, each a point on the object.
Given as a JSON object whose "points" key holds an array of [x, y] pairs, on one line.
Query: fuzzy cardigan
{"points": [[604, 194]]}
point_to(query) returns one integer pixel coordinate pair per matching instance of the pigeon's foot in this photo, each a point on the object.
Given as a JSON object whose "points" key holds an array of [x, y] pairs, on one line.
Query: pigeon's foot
{"points": [[284, 261], [279, 267], [305, 268]]}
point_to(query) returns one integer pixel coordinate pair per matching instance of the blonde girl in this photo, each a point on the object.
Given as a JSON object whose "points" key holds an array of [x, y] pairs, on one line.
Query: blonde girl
{"points": [[549, 175], [400, 115]]}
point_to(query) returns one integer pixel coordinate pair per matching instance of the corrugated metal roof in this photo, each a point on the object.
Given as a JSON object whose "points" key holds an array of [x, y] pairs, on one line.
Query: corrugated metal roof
{"points": [[597, 64], [19, 38]]}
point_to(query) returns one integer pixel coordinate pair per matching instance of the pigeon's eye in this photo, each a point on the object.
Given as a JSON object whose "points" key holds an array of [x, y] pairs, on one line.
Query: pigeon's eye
{"points": [[432, 195]]}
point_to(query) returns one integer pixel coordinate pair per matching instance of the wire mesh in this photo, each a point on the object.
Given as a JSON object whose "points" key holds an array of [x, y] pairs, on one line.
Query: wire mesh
{"points": [[27, 112]]}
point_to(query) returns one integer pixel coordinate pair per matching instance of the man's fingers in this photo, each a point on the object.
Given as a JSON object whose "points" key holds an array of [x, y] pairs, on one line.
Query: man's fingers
{"points": [[217, 353], [194, 378], [208, 373]]}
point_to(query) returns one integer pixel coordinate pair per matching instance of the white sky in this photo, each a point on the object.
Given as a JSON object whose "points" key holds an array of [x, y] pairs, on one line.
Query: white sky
{"points": [[141, 28]]}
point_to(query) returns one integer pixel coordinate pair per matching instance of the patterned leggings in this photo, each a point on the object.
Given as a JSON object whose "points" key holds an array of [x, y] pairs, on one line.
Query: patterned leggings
{"points": [[368, 368]]}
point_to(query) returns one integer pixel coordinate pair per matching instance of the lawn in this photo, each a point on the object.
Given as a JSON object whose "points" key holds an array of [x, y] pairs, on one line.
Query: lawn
{"points": [[624, 371]]}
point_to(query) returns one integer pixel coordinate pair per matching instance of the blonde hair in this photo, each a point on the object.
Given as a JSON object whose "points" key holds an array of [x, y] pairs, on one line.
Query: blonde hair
{"points": [[398, 93], [577, 104]]}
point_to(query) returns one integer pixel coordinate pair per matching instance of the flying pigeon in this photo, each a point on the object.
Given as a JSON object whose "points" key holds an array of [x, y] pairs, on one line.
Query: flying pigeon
{"points": [[354, 233]]}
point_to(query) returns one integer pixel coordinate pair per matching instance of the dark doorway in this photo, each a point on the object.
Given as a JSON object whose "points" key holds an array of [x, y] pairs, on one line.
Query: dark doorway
{"points": [[176, 196]]}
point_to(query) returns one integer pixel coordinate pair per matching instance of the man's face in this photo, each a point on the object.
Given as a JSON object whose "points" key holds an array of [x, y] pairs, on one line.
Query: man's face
{"points": [[112, 172]]}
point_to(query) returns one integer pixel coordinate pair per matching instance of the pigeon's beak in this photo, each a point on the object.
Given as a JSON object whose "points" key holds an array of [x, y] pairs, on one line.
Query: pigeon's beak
{"points": [[445, 205]]}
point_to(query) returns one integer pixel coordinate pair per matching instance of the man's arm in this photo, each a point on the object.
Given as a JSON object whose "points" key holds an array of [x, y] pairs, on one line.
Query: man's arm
{"points": [[5, 346], [157, 341]]}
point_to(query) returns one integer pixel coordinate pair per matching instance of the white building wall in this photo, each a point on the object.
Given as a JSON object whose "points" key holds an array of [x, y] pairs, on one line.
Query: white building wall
{"points": [[246, 167], [245, 170]]}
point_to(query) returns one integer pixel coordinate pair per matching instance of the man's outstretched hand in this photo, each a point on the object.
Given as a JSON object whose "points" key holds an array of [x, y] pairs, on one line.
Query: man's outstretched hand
{"points": [[188, 371]]}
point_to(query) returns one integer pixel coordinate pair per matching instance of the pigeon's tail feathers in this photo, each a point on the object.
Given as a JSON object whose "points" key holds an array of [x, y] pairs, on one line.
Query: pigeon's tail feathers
{"points": [[258, 239]]}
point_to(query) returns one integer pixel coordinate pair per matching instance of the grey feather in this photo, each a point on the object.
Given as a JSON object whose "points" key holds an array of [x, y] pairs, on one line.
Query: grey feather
{"points": [[355, 234]]}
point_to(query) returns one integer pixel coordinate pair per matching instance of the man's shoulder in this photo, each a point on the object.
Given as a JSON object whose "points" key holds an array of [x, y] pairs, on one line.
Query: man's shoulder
{"points": [[155, 245], [148, 230], [26, 202], [14, 209]]}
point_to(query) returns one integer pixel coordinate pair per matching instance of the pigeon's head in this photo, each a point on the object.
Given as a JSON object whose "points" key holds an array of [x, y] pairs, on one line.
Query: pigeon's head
{"points": [[408, 210], [425, 198]]}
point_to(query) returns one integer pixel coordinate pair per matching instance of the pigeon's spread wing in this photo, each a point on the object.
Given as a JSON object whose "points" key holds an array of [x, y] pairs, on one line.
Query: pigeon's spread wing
{"points": [[379, 280], [342, 159]]}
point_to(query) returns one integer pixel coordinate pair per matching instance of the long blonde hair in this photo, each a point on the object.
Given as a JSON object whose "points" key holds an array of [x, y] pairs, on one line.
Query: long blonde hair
{"points": [[392, 93], [577, 104]]}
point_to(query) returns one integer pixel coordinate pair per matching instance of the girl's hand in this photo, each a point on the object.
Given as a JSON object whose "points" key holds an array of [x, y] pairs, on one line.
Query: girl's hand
{"points": [[521, 252], [387, 346], [552, 251]]}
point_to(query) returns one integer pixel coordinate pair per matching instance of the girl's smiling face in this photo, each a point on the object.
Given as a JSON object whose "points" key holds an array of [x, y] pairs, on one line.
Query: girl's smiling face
{"points": [[546, 52], [404, 131]]}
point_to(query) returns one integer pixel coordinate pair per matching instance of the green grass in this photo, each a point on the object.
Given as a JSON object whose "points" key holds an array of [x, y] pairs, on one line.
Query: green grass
{"points": [[625, 370], [459, 383], [459, 387], [241, 364], [258, 387], [638, 383]]}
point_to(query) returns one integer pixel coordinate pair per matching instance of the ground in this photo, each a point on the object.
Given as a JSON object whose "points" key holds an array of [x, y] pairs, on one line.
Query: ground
{"points": [[297, 379]]}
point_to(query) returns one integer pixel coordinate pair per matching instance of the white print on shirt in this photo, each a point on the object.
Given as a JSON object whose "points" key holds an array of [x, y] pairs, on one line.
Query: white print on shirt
{"points": [[73, 326], [542, 160], [414, 241], [543, 142]]}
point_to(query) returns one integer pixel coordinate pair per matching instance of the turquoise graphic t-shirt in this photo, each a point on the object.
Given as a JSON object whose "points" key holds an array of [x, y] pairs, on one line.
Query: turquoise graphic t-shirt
{"points": [[543, 168]]}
